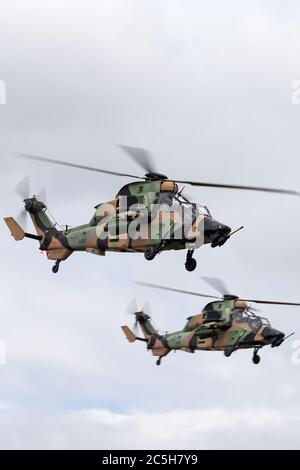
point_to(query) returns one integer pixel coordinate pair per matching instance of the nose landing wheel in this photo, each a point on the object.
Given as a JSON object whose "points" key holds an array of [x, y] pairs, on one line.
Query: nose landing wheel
{"points": [[191, 263]]}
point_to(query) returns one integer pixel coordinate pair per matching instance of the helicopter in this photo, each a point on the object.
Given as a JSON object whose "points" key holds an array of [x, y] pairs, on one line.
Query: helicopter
{"points": [[225, 324], [148, 216]]}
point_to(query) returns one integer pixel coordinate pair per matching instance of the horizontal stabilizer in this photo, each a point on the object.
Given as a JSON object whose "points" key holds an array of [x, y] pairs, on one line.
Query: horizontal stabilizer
{"points": [[14, 228], [17, 231], [129, 334]]}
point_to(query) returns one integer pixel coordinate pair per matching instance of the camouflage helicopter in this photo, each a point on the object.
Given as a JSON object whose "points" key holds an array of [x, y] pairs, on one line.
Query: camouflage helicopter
{"points": [[225, 324], [148, 216]]}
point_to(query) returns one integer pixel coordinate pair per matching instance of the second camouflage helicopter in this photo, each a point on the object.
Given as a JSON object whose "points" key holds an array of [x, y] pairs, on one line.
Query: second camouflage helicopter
{"points": [[226, 324]]}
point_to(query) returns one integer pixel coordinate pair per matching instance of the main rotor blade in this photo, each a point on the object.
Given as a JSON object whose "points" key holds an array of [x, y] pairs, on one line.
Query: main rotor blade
{"points": [[74, 165], [234, 186], [172, 289], [23, 188], [216, 283], [270, 302], [141, 156]]}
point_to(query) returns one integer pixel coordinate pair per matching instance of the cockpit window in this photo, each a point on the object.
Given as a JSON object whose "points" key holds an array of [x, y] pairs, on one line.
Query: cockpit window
{"points": [[264, 321], [254, 323], [203, 210], [165, 198], [245, 316], [239, 316], [176, 200]]}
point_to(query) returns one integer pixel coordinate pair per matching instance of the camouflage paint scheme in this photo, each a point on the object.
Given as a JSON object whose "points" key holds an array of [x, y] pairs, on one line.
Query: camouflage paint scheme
{"points": [[95, 237], [224, 325]]}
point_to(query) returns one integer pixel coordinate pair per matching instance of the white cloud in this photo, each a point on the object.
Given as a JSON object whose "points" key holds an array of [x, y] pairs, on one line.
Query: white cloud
{"points": [[178, 429]]}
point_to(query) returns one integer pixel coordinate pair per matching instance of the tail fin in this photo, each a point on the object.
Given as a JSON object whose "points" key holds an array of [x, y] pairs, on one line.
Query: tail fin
{"points": [[40, 219], [146, 326]]}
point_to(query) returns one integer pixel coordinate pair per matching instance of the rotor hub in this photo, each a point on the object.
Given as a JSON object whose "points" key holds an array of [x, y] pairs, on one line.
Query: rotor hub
{"points": [[152, 176], [230, 297]]}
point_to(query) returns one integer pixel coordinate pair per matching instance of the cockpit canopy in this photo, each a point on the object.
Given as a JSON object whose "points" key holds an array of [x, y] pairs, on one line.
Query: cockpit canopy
{"points": [[233, 310], [240, 315], [175, 201]]}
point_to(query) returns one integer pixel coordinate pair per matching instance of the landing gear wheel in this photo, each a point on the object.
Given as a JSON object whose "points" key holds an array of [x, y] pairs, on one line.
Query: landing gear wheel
{"points": [[150, 254], [158, 361], [227, 352], [56, 267], [256, 359], [190, 264]]}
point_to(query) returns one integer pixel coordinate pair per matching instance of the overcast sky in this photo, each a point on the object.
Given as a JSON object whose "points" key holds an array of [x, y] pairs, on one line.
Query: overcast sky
{"points": [[206, 86]]}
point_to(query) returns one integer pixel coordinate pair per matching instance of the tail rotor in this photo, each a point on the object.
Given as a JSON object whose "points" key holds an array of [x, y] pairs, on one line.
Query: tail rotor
{"points": [[134, 310], [22, 190]]}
